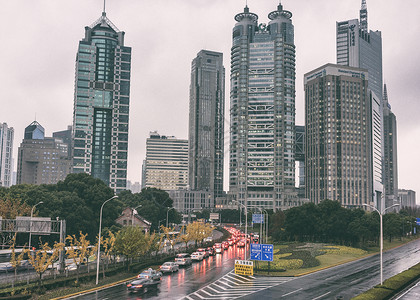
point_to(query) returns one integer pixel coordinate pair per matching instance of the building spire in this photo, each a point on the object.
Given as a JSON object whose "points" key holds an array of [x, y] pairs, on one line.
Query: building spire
{"points": [[103, 12], [363, 17], [385, 93]]}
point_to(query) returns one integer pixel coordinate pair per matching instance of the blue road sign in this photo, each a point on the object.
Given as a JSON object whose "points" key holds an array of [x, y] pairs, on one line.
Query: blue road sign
{"points": [[263, 252], [256, 251], [418, 221], [258, 218], [267, 252]]}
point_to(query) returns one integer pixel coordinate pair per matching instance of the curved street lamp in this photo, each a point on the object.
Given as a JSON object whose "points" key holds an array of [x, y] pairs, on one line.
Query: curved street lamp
{"points": [[381, 237], [30, 222], [99, 239], [134, 211]]}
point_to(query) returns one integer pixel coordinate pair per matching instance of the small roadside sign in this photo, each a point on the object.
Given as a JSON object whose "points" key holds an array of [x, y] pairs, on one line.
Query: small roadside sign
{"points": [[244, 267], [418, 221], [258, 218]]}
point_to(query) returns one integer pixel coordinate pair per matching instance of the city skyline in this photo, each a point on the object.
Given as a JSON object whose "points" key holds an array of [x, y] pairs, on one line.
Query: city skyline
{"points": [[42, 81]]}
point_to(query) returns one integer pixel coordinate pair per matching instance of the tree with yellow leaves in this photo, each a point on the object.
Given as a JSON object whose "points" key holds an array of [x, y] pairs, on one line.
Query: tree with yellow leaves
{"points": [[170, 235], [44, 257], [15, 260], [78, 250], [108, 243], [198, 231]]}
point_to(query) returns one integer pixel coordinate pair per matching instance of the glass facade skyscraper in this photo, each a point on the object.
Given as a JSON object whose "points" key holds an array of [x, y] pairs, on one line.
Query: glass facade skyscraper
{"points": [[362, 48], [262, 101], [101, 104], [6, 151], [206, 123]]}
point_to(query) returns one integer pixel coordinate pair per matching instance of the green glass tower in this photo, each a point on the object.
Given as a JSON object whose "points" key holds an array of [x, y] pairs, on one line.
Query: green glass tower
{"points": [[101, 104]]}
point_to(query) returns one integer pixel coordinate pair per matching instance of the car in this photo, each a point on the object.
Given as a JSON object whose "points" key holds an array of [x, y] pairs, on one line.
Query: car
{"points": [[211, 251], [231, 241], [225, 245], [218, 248], [197, 256], [142, 285], [208, 239], [183, 259], [202, 250], [241, 243], [150, 274], [169, 266]]}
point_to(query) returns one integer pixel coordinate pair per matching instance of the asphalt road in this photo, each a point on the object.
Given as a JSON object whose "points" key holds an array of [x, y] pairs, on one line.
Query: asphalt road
{"points": [[347, 280], [412, 293]]}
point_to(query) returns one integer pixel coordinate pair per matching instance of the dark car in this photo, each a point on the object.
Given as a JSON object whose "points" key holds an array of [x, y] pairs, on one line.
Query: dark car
{"points": [[211, 251], [142, 285]]}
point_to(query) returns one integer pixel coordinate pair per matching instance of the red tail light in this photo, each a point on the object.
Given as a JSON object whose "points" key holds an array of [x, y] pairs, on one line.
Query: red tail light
{"points": [[129, 285]]}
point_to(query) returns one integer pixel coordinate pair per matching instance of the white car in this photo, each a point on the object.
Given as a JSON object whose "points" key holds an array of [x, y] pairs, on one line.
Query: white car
{"points": [[183, 259], [197, 256], [169, 266]]}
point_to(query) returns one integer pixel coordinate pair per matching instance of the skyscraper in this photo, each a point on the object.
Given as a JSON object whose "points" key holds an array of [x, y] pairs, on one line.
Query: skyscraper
{"points": [[338, 159], [390, 153], [359, 47], [101, 104], [206, 123], [166, 164], [6, 152], [42, 160], [262, 101]]}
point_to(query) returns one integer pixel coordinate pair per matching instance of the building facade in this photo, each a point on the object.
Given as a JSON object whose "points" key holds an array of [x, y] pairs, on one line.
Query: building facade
{"points": [[262, 103], [187, 201], [6, 154], [42, 160], [166, 164], [338, 143], [206, 122], [390, 153], [359, 47], [407, 198], [101, 104], [300, 160]]}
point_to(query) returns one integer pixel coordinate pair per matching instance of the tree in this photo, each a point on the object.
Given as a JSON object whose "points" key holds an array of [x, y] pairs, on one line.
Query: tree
{"points": [[108, 243], [131, 243], [12, 207], [78, 250], [43, 258], [15, 260]]}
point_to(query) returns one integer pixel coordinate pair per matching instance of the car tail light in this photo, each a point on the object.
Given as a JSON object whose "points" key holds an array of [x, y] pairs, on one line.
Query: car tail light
{"points": [[139, 286], [129, 285]]}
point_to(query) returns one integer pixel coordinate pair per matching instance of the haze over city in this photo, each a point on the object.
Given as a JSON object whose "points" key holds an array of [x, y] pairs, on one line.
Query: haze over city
{"points": [[41, 38]]}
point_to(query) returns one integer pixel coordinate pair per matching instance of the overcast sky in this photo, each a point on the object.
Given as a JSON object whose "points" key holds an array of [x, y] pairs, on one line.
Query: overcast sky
{"points": [[40, 38]]}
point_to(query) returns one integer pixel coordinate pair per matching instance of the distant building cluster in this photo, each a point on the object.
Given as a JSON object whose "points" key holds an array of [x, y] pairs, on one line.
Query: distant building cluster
{"points": [[346, 151]]}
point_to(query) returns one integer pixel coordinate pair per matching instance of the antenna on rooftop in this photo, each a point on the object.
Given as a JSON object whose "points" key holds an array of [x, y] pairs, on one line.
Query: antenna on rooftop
{"points": [[103, 12]]}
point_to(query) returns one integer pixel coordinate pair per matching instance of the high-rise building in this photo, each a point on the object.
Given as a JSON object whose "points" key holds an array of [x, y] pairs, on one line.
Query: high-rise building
{"points": [[206, 123], [6, 152], [338, 159], [359, 47], [166, 164], [42, 160], [390, 153], [66, 136], [300, 159], [407, 198], [262, 103], [101, 104]]}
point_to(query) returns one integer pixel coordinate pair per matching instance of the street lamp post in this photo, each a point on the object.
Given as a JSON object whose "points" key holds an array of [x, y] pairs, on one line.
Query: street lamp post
{"points": [[167, 216], [246, 227], [134, 212], [98, 257], [381, 237], [30, 223]]}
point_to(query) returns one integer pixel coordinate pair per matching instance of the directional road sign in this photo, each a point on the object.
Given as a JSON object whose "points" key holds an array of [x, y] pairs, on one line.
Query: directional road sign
{"points": [[258, 218], [267, 252], [256, 251], [418, 221]]}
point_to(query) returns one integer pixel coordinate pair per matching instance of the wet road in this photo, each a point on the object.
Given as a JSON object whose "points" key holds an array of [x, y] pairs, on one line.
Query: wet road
{"points": [[413, 293], [346, 280], [185, 281]]}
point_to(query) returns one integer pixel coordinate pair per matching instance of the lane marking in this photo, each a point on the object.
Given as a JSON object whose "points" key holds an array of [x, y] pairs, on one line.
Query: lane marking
{"points": [[291, 292], [322, 296]]}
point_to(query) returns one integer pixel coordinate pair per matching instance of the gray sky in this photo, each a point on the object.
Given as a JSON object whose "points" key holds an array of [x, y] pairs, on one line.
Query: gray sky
{"points": [[40, 38]]}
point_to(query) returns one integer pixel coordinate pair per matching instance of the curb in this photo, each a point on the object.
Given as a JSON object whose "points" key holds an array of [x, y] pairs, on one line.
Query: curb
{"points": [[95, 288]]}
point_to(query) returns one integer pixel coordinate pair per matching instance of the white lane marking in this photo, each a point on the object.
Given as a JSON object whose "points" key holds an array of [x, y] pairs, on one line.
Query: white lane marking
{"points": [[319, 297], [291, 292]]}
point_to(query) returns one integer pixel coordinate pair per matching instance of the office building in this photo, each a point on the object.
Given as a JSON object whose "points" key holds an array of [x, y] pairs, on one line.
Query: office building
{"points": [[262, 103], [338, 145], [101, 104], [166, 164], [66, 137], [359, 47], [206, 123], [188, 201], [42, 160], [6, 154], [407, 198], [390, 153]]}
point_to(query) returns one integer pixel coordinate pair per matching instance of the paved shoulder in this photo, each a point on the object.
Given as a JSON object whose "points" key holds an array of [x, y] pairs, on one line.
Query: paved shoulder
{"points": [[232, 286]]}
